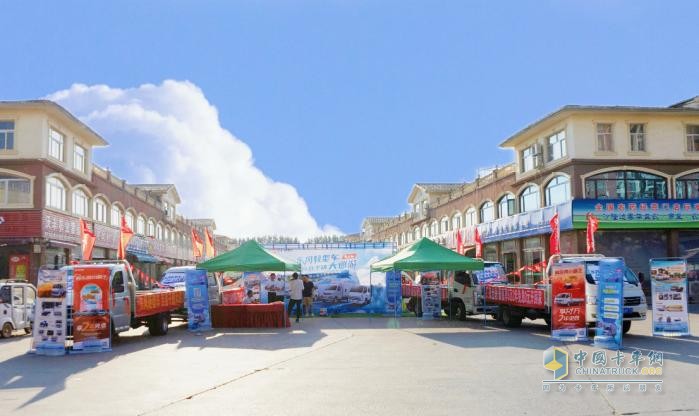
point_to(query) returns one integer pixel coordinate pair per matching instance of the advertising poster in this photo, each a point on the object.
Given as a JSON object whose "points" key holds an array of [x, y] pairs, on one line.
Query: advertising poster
{"points": [[568, 306], [610, 300], [50, 313], [253, 281], [431, 296], [341, 275], [393, 292], [91, 318], [19, 266], [669, 293], [197, 301]]}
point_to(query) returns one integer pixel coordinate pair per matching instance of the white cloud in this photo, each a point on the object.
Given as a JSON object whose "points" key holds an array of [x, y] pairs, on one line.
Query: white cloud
{"points": [[170, 133]]}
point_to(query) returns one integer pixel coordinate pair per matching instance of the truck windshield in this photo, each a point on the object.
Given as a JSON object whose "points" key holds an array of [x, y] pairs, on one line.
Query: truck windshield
{"points": [[492, 272], [592, 271]]}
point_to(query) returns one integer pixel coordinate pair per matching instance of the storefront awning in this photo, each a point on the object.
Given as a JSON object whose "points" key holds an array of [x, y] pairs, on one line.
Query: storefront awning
{"points": [[164, 260], [144, 258]]}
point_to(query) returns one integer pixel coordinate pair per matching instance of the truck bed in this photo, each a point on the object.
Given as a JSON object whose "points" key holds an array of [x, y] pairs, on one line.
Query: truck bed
{"points": [[151, 302]]}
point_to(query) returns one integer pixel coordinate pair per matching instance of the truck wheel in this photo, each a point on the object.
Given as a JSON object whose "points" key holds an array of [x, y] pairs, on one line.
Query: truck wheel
{"points": [[28, 330], [627, 326], [6, 330], [158, 325], [458, 311], [509, 319]]}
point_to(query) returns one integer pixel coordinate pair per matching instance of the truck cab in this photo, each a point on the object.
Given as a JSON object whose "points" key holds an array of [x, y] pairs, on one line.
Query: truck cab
{"points": [[17, 301], [466, 296], [635, 308]]}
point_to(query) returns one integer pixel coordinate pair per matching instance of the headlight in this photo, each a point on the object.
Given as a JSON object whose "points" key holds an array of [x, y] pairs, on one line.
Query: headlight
{"points": [[591, 300]]}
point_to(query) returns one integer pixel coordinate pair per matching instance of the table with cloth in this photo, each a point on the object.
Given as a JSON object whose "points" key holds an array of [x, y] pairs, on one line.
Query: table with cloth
{"points": [[253, 315]]}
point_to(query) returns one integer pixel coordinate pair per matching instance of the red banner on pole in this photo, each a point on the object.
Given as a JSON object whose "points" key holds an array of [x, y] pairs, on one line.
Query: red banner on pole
{"points": [[592, 226], [479, 243], [555, 239], [197, 245], [124, 237], [210, 250], [459, 242], [88, 240]]}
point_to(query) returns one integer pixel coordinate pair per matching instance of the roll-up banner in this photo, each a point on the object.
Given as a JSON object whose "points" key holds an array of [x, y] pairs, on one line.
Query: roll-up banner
{"points": [[568, 306], [197, 301], [669, 293], [91, 316], [394, 297], [50, 312], [610, 303], [431, 296]]}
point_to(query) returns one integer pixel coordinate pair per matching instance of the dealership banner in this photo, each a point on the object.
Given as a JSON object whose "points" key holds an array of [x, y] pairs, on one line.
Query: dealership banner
{"points": [[568, 306], [50, 318], [341, 275], [637, 214], [197, 301], [669, 297], [91, 316], [610, 303], [516, 296]]}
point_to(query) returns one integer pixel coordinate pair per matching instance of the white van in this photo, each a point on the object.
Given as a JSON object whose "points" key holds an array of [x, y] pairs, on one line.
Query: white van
{"points": [[17, 301], [174, 277]]}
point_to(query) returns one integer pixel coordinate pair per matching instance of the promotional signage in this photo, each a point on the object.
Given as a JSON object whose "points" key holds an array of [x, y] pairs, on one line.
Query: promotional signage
{"points": [[568, 306], [50, 313], [197, 301], [393, 292], [252, 281], [91, 317], [431, 297], [516, 296], [527, 223], [610, 303], [19, 266], [341, 275], [637, 214], [669, 292]]}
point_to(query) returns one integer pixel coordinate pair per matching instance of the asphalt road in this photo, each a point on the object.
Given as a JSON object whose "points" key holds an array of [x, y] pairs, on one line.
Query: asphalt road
{"points": [[338, 366]]}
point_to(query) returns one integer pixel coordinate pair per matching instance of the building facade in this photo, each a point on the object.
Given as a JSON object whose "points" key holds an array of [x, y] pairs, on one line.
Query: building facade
{"points": [[48, 183], [635, 168]]}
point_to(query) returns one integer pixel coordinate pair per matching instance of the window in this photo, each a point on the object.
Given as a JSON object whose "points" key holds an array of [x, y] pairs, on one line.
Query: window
{"points": [[14, 190], [79, 158], [637, 133], [557, 190], [456, 221], [470, 217], [416, 233], [141, 226], [129, 220], [487, 212], [116, 216], [55, 194], [529, 199], [445, 225], [151, 228], [556, 144], [99, 210], [687, 187], [80, 206], [626, 184], [604, 137], [425, 231], [7, 135], [527, 158], [434, 228], [693, 138], [506, 206], [167, 235], [56, 144], [159, 232]]}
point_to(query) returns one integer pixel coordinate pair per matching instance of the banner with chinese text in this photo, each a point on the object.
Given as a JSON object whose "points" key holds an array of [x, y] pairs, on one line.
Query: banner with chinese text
{"points": [[669, 297], [91, 316], [637, 214], [568, 306], [50, 318], [197, 293], [610, 303]]}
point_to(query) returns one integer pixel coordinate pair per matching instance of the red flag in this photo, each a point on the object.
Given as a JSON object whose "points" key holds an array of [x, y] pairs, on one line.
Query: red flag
{"points": [[210, 250], [197, 245], [479, 243], [459, 243], [124, 237], [592, 226], [88, 240], [555, 239]]}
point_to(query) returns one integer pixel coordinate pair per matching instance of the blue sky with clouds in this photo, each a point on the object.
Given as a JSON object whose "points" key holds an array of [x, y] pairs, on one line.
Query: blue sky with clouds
{"points": [[351, 102]]}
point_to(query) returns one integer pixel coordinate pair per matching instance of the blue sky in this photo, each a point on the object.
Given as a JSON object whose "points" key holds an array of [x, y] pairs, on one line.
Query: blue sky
{"points": [[352, 102]]}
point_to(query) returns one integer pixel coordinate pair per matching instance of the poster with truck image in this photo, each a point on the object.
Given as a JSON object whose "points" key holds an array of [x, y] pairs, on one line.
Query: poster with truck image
{"points": [[91, 316], [669, 297], [431, 297], [568, 306], [197, 298], [50, 317], [610, 303], [341, 276]]}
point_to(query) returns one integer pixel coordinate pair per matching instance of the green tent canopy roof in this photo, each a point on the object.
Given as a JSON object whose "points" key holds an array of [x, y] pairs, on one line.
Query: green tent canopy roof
{"points": [[425, 255], [249, 257]]}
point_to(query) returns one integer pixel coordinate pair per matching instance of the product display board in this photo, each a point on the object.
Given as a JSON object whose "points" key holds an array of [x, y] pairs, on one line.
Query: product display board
{"points": [[669, 297], [568, 302], [91, 317], [197, 301], [610, 303], [393, 292], [431, 300], [50, 313]]}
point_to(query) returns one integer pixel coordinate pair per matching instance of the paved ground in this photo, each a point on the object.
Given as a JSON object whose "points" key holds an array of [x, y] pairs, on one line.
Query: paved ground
{"points": [[335, 366]]}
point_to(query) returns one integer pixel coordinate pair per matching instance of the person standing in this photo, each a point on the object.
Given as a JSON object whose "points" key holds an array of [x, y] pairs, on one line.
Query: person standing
{"points": [[307, 296], [295, 295]]}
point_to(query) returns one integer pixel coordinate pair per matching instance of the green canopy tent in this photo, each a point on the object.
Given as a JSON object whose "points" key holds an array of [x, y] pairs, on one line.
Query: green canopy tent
{"points": [[426, 255], [249, 257]]}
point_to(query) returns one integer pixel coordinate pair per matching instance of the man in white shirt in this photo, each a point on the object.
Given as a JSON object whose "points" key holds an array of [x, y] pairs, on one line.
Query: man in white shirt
{"points": [[295, 295]]}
